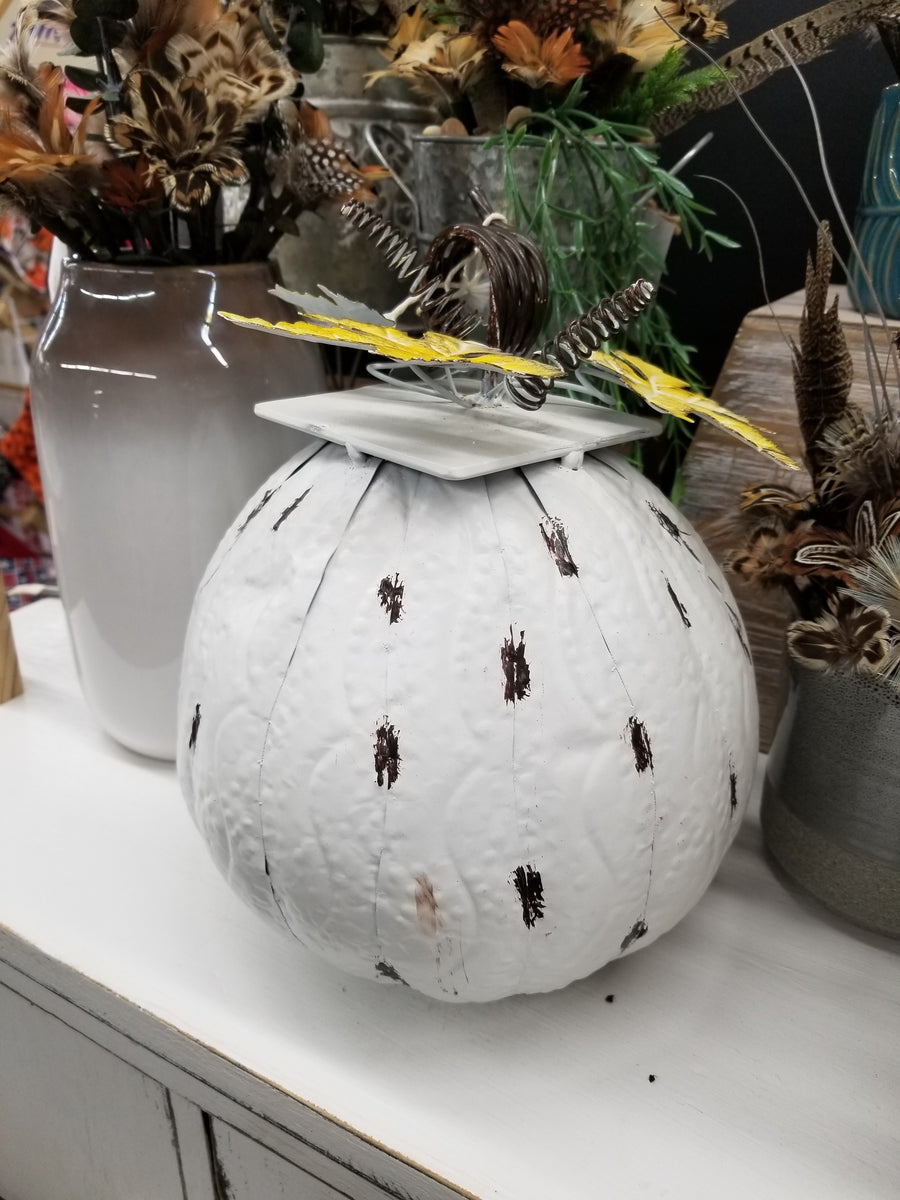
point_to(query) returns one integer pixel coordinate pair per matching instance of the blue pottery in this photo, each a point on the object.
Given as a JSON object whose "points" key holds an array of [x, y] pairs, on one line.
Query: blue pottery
{"points": [[877, 230]]}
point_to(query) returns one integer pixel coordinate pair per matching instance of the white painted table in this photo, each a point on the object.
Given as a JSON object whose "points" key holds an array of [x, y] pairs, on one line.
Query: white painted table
{"points": [[158, 1041]]}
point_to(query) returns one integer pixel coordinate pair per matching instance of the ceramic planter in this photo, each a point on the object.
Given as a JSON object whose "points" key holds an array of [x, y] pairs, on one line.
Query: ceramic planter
{"points": [[877, 230], [831, 802], [143, 410]]}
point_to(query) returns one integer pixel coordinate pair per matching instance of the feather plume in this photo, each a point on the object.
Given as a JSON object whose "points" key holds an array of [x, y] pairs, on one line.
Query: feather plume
{"points": [[861, 456], [845, 636], [18, 74], [186, 136], [823, 368], [233, 62], [799, 40], [311, 166], [185, 113], [158, 20]]}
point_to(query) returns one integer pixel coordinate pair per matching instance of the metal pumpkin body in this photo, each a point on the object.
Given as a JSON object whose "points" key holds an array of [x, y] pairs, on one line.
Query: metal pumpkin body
{"points": [[481, 737]]}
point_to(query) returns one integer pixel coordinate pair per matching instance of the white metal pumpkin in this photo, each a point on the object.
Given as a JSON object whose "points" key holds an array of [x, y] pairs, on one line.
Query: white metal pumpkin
{"points": [[482, 736]]}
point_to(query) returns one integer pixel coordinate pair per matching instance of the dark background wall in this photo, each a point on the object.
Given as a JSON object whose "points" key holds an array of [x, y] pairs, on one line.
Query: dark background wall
{"points": [[707, 300]]}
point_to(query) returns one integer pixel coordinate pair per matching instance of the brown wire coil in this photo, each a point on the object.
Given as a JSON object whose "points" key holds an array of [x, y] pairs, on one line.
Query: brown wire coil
{"points": [[516, 272], [574, 344], [517, 275]]}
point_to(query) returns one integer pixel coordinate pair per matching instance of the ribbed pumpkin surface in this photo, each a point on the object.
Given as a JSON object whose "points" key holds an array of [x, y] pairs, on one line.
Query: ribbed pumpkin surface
{"points": [[481, 737]]}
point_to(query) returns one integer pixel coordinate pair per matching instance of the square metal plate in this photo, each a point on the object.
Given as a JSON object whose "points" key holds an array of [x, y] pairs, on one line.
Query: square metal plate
{"points": [[447, 440]]}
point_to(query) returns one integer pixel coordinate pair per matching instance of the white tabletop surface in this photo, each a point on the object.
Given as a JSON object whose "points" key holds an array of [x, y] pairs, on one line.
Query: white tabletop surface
{"points": [[772, 1030]]}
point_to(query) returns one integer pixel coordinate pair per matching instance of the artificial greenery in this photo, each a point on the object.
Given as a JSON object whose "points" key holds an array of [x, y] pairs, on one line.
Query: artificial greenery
{"points": [[589, 206], [663, 86]]}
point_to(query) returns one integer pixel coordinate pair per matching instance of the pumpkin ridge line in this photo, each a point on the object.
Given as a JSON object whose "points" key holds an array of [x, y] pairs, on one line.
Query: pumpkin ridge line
{"points": [[259, 778], [387, 706], [518, 814]]}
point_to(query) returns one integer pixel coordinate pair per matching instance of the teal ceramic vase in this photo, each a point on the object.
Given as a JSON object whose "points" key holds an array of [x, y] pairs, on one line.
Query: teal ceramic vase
{"points": [[831, 798], [877, 230]]}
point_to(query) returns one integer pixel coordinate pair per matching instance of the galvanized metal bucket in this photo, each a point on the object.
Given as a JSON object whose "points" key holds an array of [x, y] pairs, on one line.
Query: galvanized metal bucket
{"points": [[328, 250]]}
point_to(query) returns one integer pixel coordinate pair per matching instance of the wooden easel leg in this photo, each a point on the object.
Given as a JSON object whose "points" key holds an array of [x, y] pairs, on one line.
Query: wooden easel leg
{"points": [[10, 676]]}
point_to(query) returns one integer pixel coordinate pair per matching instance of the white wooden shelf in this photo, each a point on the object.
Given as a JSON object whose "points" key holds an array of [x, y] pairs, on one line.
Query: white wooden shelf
{"points": [[158, 1040]]}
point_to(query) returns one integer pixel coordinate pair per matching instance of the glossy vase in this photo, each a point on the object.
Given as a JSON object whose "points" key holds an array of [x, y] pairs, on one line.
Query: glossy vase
{"points": [[831, 800], [877, 229], [148, 445]]}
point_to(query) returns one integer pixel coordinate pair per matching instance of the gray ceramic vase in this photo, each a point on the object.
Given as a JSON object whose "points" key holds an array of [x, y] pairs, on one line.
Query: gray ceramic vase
{"points": [[831, 800]]}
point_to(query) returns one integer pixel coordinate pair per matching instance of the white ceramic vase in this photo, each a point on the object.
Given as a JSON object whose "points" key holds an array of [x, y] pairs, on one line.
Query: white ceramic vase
{"points": [[143, 408]]}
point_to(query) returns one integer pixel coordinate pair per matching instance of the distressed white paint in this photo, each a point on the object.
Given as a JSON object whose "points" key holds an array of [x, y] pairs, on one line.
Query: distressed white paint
{"points": [[248, 1171], [75, 1122], [771, 1027], [294, 672]]}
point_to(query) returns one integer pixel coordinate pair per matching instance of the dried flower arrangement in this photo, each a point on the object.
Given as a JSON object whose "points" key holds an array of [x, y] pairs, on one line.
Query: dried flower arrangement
{"points": [[486, 64], [835, 548], [490, 63], [592, 86], [189, 142]]}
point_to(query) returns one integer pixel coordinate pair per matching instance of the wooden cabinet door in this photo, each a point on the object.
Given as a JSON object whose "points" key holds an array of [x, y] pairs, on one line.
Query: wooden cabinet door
{"points": [[247, 1170], [77, 1123]]}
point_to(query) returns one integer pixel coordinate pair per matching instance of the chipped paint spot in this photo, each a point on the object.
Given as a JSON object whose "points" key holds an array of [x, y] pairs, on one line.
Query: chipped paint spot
{"points": [[732, 784], [557, 542], [290, 508], [387, 754], [674, 531], [516, 671], [195, 729], [427, 912], [640, 745], [682, 611], [739, 630], [390, 596], [386, 971], [530, 888], [638, 929], [267, 496]]}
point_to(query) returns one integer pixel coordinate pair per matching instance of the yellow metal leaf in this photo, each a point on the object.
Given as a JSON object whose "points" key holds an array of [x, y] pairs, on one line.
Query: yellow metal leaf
{"points": [[669, 394], [387, 340]]}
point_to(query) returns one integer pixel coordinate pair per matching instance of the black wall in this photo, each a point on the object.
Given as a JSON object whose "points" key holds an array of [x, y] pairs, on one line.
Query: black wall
{"points": [[707, 300]]}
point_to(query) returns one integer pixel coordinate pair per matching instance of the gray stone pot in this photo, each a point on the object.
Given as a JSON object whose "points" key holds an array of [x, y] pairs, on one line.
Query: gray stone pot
{"points": [[831, 799]]}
